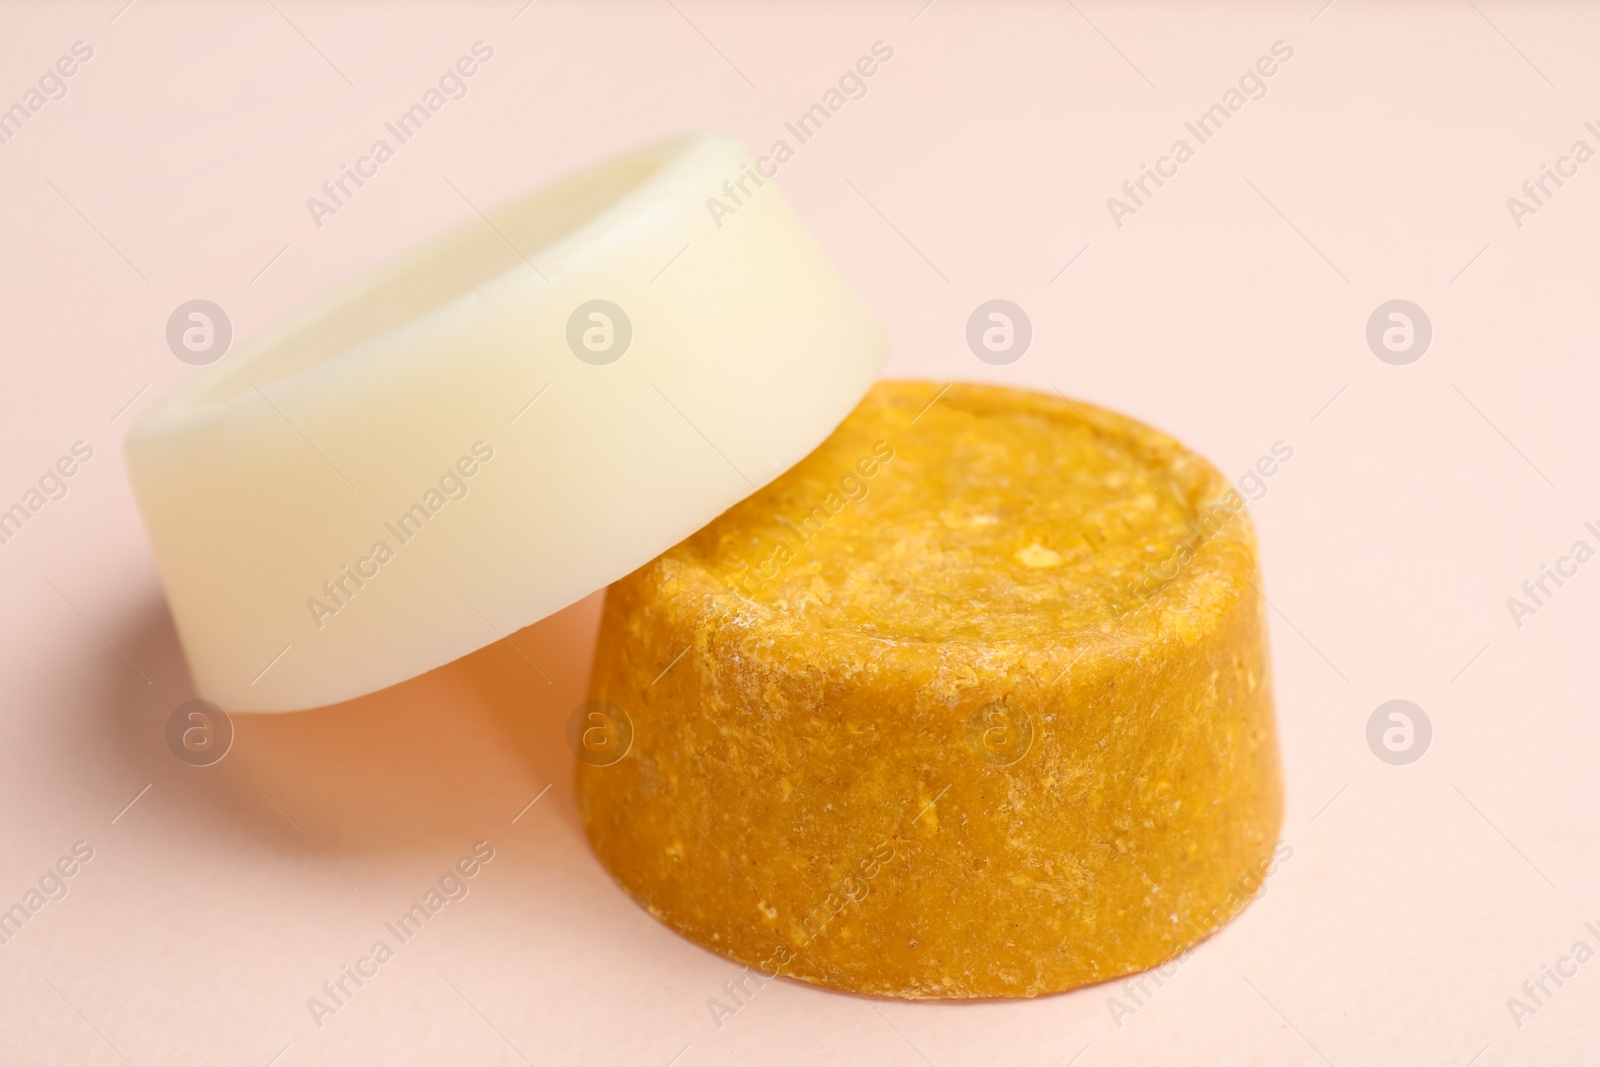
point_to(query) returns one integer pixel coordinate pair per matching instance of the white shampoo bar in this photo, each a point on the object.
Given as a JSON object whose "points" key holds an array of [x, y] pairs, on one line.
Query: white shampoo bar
{"points": [[515, 415]]}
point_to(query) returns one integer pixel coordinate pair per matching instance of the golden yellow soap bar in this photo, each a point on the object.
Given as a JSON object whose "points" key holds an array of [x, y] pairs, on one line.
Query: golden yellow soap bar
{"points": [[974, 701]]}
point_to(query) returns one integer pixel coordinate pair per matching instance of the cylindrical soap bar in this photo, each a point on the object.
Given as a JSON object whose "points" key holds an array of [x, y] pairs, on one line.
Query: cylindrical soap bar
{"points": [[494, 425], [973, 701]]}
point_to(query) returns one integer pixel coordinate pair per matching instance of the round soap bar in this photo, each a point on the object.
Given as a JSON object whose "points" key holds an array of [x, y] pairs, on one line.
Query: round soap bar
{"points": [[494, 425], [973, 701]]}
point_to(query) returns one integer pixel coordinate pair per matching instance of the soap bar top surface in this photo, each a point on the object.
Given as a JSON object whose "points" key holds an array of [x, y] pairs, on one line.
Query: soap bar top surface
{"points": [[988, 516]]}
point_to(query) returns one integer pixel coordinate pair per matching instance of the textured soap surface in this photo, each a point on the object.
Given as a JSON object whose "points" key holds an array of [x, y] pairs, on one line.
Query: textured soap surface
{"points": [[974, 701]]}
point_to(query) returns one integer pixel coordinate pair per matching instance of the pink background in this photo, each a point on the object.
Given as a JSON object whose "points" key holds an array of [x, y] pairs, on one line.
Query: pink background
{"points": [[1229, 311]]}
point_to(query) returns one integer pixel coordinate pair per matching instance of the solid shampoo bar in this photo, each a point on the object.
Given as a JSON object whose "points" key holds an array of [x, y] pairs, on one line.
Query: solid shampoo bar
{"points": [[974, 701]]}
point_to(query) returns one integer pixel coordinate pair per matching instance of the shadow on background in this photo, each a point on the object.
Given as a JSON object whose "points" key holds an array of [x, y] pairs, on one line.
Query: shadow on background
{"points": [[421, 768]]}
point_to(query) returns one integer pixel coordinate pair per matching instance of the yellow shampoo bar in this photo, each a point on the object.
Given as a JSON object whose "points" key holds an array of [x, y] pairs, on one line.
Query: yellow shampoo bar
{"points": [[974, 701]]}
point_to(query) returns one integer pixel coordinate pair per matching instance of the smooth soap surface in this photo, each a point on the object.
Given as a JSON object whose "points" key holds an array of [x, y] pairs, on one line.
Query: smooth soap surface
{"points": [[973, 701], [492, 426]]}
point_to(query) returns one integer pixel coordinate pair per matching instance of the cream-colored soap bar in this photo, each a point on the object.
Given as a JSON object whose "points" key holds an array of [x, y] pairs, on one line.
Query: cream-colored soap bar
{"points": [[493, 427]]}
